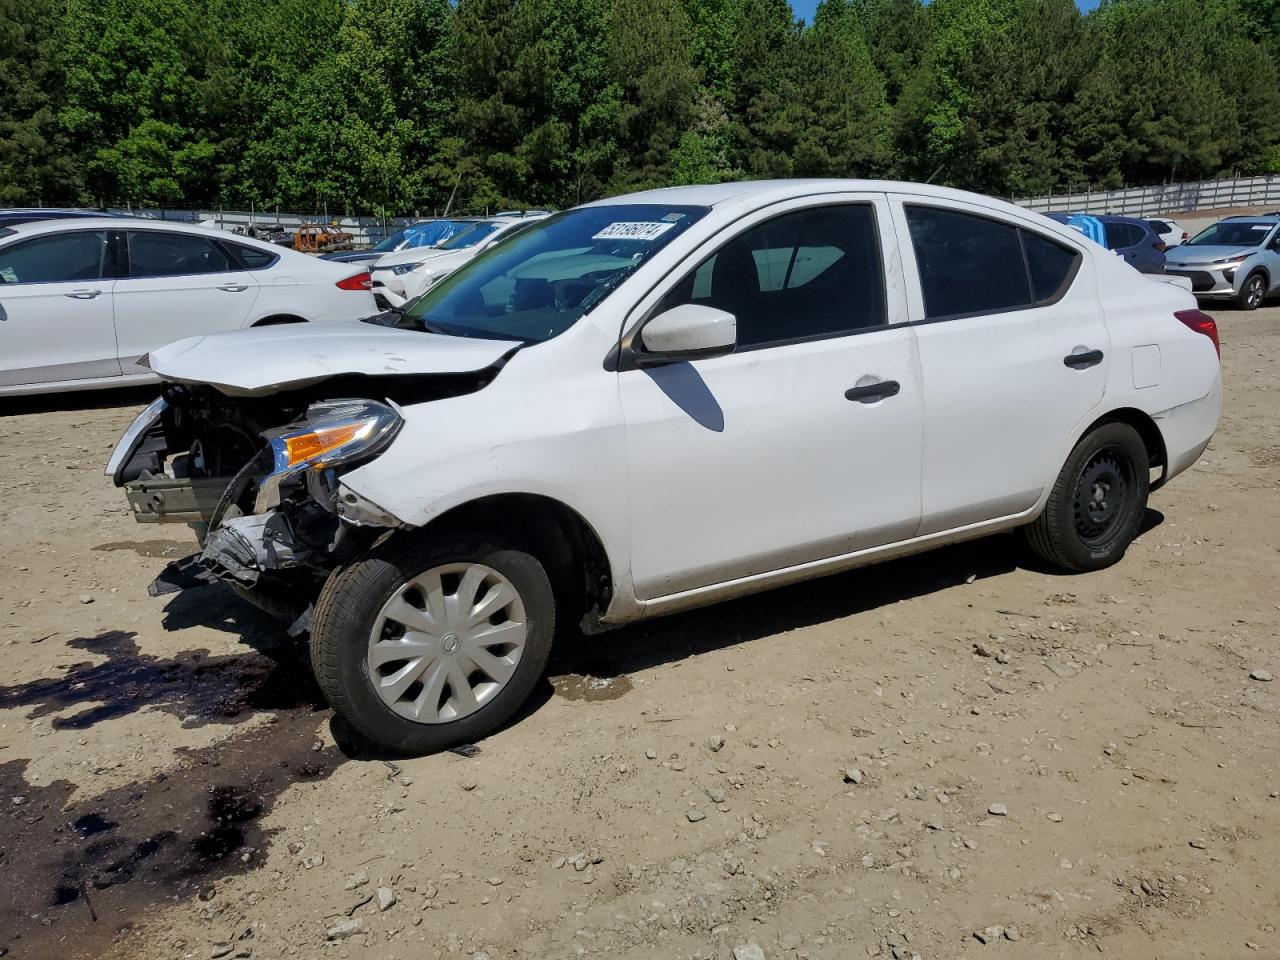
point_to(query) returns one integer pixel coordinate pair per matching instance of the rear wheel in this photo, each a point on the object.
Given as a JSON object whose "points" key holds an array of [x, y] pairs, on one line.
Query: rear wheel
{"points": [[1097, 503], [1253, 292], [423, 646]]}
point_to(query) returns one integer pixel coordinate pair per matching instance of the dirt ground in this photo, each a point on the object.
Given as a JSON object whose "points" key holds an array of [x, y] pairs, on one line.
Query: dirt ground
{"points": [[1083, 761]]}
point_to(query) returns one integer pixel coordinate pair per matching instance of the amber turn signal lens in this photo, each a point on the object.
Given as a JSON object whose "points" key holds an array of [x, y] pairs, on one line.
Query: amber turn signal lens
{"points": [[308, 446]]}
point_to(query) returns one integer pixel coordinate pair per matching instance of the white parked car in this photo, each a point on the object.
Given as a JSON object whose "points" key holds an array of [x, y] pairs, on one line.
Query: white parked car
{"points": [[659, 401], [400, 277], [1170, 231], [83, 300]]}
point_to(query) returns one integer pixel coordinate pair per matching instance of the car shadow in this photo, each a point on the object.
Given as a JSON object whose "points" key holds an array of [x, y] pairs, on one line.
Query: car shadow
{"points": [[679, 636], [114, 398]]}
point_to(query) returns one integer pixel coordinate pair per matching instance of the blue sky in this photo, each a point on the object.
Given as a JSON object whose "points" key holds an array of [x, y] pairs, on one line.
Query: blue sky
{"points": [[805, 8]]}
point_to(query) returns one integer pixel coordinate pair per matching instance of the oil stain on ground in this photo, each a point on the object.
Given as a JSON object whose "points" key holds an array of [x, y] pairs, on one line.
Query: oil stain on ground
{"points": [[75, 872], [577, 686], [147, 548]]}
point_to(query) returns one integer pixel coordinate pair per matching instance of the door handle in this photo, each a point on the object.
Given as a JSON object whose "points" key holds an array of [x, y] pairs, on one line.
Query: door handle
{"points": [[84, 294], [234, 287], [1078, 361], [873, 391]]}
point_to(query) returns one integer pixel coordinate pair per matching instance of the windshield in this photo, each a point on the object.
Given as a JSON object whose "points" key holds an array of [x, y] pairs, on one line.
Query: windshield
{"points": [[470, 236], [391, 243], [1233, 233], [536, 284]]}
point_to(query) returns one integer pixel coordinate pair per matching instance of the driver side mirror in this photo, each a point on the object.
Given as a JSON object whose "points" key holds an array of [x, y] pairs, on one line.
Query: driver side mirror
{"points": [[687, 332]]}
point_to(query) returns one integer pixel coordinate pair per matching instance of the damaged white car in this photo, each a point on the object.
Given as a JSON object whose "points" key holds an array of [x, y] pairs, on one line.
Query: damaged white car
{"points": [[658, 401]]}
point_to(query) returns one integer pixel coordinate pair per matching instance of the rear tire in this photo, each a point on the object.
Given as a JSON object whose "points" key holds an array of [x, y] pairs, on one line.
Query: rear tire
{"points": [[1097, 503], [1253, 292], [396, 652]]}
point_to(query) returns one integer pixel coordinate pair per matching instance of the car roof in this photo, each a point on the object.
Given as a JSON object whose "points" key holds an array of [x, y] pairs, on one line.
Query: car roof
{"points": [[39, 227], [1272, 217]]}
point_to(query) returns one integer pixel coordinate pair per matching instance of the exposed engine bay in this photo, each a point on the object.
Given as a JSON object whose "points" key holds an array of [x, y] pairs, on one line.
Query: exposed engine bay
{"points": [[258, 478]]}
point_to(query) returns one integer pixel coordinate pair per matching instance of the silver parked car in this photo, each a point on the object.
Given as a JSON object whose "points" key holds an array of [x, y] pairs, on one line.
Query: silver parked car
{"points": [[1235, 259]]}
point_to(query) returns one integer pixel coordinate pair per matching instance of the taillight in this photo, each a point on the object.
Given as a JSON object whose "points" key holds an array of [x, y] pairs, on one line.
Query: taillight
{"points": [[361, 281], [1201, 322]]}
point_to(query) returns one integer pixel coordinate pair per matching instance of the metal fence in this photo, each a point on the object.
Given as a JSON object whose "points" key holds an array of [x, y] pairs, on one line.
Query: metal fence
{"points": [[364, 230], [1164, 198]]}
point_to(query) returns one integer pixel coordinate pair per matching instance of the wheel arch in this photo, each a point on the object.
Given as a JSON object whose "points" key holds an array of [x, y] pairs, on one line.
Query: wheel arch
{"points": [[1147, 429], [560, 537]]}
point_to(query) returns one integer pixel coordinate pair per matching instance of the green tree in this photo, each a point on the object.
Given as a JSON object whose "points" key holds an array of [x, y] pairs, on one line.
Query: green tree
{"points": [[36, 164]]}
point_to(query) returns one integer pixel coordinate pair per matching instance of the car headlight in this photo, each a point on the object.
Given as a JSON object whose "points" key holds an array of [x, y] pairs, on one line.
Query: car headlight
{"points": [[1236, 260], [333, 432], [400, 269]]}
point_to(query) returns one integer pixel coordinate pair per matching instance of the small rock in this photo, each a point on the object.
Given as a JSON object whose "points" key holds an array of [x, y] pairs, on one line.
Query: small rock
{"points": [[469, 785], [990, 934], [715, 795], [748, 951], [1199, 844], [998, 810], [311, 862], [559, 862], [344, 929], [651, 754], [386, 898], [1053, 817], [356, 880], [85, 598], [1012, 933], [1002, 657], [695, 815], [494, 881], [220, 950], [1262, 675], [732, 866], [715, 744], [853, 775]]}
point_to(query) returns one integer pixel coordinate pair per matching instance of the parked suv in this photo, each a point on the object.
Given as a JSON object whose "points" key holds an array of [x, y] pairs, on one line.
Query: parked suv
{"points": [[658, 401], [1235, 259], [1137, 241]]}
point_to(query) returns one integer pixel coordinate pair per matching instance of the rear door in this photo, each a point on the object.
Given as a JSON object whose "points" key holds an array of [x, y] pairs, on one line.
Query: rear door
{"points": [[56, 309], [1013, 355], [177, 285]]}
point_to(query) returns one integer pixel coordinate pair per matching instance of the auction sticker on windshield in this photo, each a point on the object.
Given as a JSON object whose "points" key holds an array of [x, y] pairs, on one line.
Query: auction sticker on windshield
{"points": [[633, 230]]}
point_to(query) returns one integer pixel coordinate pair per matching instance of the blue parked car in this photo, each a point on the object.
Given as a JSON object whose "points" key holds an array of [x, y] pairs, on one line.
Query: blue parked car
{"points": [[428, 233], [1135, 240]]}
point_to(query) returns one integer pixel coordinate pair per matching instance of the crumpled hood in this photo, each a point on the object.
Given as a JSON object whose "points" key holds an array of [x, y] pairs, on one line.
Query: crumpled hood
{"points": [[1185, 256], [264, 360]]}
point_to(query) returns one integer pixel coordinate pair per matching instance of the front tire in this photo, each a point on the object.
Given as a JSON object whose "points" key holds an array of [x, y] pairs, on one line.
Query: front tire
{"points": [[1253, 292], [1097, 503], [424, 645]]}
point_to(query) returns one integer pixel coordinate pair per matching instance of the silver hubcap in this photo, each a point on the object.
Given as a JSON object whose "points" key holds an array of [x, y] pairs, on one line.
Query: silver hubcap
{"points": [[1255, 290], [447, 642]]}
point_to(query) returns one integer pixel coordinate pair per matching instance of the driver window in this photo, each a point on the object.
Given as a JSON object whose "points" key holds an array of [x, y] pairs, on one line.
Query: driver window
{"points": [[55, 258], [801, 276]]}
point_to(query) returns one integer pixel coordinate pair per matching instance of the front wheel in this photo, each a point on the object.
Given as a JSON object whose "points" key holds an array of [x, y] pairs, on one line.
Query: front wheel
{"points": [[1253, 292], [1097, 503], [424, 645]]}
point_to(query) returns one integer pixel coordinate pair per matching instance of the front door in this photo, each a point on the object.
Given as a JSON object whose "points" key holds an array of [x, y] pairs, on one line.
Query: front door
{"points": [[178, 285], [1014, 353], [802, 445], [56, 309]]}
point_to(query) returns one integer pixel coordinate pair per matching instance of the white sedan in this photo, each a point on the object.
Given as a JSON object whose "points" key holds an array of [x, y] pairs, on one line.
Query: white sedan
{"points": [[83, 300], [659, 401], [400, 277]]}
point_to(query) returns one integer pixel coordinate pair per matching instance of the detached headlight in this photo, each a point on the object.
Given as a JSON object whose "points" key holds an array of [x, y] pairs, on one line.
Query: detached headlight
{"points": [[332, 432], [400, 269]]}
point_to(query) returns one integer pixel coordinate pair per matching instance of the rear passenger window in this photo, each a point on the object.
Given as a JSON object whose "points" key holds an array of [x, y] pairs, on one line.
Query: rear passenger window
{"points": [[55, 258], [804, 275], [970, 264], [1052, 266], [153, 253], [252, 257]]}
